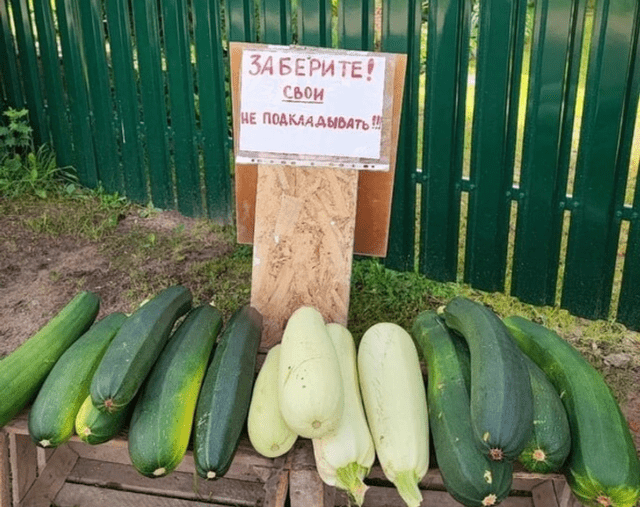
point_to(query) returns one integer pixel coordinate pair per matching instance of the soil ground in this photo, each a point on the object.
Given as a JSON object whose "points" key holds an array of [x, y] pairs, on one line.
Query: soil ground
{"points": [[40, 272]]}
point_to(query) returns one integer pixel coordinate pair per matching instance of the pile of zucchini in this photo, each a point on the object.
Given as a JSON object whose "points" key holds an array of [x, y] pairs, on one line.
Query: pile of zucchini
{"points": [[497, 391], [505, 390], [160, 369]]}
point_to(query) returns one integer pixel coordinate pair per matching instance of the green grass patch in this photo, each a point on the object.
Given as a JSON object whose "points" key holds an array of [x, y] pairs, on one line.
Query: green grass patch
{"points": [[82, 213]]}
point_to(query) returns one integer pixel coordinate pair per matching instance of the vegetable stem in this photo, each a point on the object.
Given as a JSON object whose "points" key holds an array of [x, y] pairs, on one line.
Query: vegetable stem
{"points": [[350, 479], [407, 485]]}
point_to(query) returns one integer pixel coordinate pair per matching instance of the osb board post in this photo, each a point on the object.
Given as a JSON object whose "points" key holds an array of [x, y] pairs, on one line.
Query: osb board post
{"points": [[303, 244]]}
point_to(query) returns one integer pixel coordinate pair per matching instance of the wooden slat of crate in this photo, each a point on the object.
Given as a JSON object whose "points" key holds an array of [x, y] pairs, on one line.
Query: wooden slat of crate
{"points": [[79, 495], [177, 484], [383, 496], [23, 461], [247, 465], [5, 476], [51, 479]]}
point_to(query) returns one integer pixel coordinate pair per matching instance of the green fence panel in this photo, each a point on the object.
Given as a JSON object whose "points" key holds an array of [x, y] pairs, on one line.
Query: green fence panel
{"points": [[314, 23], [126, 100], [240, 20], [553, 75], [99, 85], [30, 72], [181, 99], [629, 304], [600, 178], [494, 127], [275, 22], [401, 22], [443, 138], [212, 109], [9, 74], [56, 109], [356, 20], [74, 72], [152, 90]]}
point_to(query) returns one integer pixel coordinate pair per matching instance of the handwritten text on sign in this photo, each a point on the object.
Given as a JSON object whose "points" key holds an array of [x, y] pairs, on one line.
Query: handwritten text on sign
{"points": [[322, 105]]}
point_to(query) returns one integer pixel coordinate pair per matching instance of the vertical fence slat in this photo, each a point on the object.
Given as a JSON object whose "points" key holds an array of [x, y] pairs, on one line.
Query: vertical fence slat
{"points": [[8, 62], [275, 22], [30, 70], [543, 180], [53, 86], [212, 104], [496, 109], [73, 59], [356, 24], [101, 103], [148, 51], [401, 20], [314, 22], [181, 92], [240, 20], [600, 179], [126, 100], [629, 304], [443, 143]]}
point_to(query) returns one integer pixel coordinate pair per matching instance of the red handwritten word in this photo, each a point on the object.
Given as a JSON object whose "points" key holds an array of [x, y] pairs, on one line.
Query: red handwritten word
{"points": [[319, 121], [308, 67], [303, 94]]}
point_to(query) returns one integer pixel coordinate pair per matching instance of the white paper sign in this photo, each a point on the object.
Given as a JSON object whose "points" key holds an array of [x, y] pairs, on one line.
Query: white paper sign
{"points": [[325, 106]]}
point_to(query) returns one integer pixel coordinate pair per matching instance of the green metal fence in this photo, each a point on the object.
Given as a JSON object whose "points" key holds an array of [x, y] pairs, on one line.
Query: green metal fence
{"points": [[518, 185]]}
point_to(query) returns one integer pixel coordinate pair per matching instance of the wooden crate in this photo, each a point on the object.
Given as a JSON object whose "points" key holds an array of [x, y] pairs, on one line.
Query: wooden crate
{"points": [[306, 489], [77, 474], [81, 475]]}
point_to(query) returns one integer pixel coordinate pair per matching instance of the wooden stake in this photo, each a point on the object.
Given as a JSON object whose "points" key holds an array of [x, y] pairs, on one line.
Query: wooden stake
{"points": [[303, 244]]}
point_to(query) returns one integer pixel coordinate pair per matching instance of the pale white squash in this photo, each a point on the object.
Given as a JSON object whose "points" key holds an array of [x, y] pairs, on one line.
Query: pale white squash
{"points": [[344, 458], [395, 402], [310, 385], [268, 432]]}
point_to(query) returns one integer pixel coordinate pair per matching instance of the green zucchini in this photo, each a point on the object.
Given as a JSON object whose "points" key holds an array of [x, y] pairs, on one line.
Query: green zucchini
{"points": [[136, 347], [163, 414], [468, 474], [501, 399], [602, 467], [550, 440], [24, 370], [95, 426], [225, 396], [53, 413]]}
